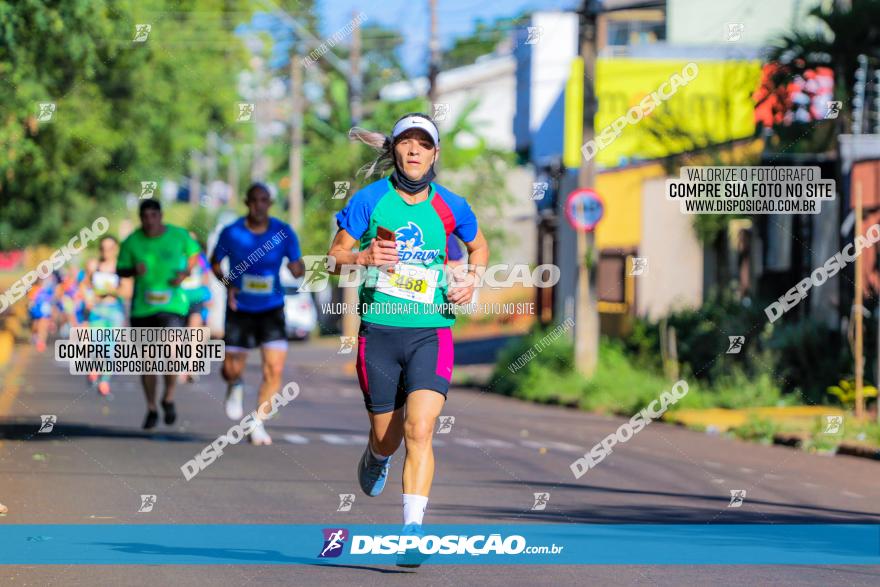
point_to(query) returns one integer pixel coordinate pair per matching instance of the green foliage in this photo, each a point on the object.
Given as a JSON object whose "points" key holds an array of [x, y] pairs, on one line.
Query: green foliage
{"points": [[201, 223], [550, 377], [800, 359], [758, 429], [845, 392], [125, 111], [482, 41]]}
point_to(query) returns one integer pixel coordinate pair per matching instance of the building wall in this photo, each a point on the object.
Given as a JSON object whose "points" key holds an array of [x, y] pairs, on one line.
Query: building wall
{"points": [[674, 278], [543, 69], [698, 22], [491, 83]]}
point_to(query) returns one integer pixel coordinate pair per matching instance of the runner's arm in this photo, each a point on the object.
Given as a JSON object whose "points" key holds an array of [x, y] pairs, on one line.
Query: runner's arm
{"points": [[478, 258], [297, 268], [378, 253]]}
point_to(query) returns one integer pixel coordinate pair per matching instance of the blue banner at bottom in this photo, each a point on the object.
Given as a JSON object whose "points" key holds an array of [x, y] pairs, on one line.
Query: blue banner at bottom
{"points": [[470, 544]]}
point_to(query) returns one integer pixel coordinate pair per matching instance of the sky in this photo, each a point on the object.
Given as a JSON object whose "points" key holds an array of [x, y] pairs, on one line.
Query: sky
{"points": [[411, 17]]}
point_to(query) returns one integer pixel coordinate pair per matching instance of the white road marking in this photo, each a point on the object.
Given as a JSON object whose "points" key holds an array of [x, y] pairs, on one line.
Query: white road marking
{"points": [[296, 439], [551, 444], [851, 494]]}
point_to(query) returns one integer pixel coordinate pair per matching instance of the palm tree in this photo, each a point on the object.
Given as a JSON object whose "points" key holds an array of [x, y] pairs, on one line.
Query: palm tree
{"points": [[847, 30]]}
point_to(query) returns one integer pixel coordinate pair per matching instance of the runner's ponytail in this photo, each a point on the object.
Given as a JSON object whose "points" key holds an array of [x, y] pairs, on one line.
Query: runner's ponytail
{"points": [[379, 142]]}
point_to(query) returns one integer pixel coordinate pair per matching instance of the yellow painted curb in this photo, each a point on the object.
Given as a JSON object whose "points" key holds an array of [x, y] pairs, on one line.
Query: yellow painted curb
{"points": [[6, 344], [724, 419], [9, 386]]}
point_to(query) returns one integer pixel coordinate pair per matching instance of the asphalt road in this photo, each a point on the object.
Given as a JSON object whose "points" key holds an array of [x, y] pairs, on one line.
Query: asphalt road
{"points": [[93, 467]]}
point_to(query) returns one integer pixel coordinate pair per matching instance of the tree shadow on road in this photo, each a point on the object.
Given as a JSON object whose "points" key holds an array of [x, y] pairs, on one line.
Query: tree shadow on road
{"points": [[228, 556], [704, 509], [29, 431]]}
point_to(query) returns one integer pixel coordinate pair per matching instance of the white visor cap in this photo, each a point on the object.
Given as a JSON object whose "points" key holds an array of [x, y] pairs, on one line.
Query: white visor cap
{"points": [[416, 122]]}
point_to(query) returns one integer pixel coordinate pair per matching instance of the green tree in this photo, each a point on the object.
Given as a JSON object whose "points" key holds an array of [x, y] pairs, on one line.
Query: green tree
{"points": [[125, 111], [846, 33], [482, 41]]}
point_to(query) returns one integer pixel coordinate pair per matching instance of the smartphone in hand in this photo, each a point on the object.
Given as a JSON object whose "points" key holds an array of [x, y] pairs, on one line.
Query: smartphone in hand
{"points": [[384, 234]]}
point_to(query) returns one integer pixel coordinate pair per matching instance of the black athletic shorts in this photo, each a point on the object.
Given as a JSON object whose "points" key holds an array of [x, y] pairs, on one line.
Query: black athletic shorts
{"points": [[247, 330], [393, 361], [159, 320], [195, 308]]}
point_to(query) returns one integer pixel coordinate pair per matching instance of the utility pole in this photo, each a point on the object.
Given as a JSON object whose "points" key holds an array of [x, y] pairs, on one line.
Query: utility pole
{"points": [[295, 195], [434, 65], [195, 163], [356, 82], [857, 306], [232, 177], [587, 314]]}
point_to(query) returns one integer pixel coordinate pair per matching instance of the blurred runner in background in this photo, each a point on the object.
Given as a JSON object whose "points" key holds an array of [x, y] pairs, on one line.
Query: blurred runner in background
{"points": [[103, 294], [41, 310], [159, 256], [256, 246], [197, 288]]}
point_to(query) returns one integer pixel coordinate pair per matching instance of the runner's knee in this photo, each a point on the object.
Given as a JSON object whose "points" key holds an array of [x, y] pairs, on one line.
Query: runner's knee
{"points": [[418, 431], [272, 371]]}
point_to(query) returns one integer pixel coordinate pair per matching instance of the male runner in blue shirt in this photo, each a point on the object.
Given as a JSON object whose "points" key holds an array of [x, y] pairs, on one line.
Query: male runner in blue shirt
{"points": [[256, 246]]}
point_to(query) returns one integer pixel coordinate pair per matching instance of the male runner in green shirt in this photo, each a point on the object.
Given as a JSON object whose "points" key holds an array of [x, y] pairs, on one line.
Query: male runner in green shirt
{"points": [[159, 256]]}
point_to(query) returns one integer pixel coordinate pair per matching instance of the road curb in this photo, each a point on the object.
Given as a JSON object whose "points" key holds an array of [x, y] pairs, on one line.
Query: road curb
{"points": [[864, 451]]}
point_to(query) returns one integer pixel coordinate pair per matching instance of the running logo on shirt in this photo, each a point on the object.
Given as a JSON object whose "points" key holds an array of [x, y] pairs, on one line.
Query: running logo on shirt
{"points": [[410, 241]]}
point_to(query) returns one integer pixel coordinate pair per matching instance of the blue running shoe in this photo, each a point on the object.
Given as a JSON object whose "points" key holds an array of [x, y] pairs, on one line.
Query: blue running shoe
{"points": [[412, 557], [372, 473]]}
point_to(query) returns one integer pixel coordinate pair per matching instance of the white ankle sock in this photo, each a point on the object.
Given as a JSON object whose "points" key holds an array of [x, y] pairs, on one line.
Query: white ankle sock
{"points": [[377, 456], [414, 508]]}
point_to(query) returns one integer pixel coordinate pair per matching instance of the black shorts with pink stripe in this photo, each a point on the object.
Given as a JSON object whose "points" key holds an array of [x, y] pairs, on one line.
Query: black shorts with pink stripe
{"points": [[393, 361]]}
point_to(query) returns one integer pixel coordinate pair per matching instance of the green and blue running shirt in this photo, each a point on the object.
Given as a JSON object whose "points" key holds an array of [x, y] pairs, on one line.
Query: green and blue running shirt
{"points": [[415, 294]]}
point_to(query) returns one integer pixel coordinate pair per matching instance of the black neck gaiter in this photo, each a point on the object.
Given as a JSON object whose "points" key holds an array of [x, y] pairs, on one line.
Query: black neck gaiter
{"points": [[403, 183]]}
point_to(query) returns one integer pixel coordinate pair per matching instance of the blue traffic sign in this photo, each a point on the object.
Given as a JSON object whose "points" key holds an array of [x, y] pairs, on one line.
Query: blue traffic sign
{"points": [[584, 209]]}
